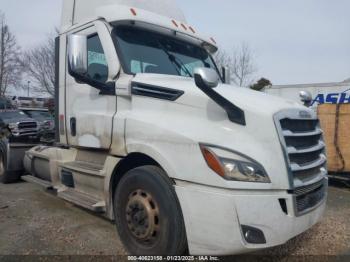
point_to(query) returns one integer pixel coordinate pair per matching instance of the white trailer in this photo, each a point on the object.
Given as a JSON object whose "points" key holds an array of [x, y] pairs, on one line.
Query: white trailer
{"points": [[151, 136], [322, 93]]}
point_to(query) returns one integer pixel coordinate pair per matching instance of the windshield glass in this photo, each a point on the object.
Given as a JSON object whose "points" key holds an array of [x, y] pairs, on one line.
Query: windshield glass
{"points": [[149, 52], [38, 114], [12, 114]]}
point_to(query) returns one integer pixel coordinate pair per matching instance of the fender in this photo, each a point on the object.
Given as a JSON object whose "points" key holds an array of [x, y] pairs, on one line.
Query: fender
{"points": [[153, 153]]}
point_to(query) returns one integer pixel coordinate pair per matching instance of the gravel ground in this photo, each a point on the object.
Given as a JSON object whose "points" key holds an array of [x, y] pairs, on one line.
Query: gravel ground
{"points": [[34, 222]]}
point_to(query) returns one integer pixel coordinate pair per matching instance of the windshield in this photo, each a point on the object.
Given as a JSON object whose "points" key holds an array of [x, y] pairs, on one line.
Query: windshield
{"points": [[38, 114], [12, 115], [149, 52]]}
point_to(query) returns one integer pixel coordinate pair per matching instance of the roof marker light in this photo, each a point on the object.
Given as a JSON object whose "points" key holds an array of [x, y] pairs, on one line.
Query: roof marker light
{"points": [[184, 27], [213, 40], [174, 22], [191, 28], [133, 11]]}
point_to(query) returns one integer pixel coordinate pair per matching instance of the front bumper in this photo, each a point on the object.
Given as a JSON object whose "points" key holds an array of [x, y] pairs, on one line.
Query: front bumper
{"points": [[213, 218]]}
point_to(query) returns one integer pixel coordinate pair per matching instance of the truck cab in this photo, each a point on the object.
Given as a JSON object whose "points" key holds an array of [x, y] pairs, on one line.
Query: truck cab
{"points": [[151, 135]]}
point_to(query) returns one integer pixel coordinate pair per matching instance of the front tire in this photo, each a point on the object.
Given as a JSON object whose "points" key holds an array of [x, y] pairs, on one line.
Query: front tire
{"points": [[148, 214]]}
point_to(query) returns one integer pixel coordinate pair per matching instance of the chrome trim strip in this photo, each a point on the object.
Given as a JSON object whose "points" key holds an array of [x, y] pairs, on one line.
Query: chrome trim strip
{"points": [[293, 150], [317, 177], [321, 161], [288, 133], [157, 92], [150, 91], [305, 189]]}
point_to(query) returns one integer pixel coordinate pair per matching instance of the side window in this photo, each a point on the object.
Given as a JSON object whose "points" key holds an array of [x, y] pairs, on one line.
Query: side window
{"points": [[97, 63]]}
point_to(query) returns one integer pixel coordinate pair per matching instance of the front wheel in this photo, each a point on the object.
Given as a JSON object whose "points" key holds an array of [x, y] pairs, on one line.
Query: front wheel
{"points": [[148, 215]]}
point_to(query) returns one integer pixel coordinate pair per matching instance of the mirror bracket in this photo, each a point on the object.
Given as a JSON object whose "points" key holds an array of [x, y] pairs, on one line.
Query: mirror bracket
{"points": [[234, 113], [105, 88], [306, 97]]}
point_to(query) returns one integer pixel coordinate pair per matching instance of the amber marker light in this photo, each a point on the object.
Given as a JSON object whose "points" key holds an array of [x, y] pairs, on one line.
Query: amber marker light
{"points": [[133, 11], [174, 22], [213, 161]]}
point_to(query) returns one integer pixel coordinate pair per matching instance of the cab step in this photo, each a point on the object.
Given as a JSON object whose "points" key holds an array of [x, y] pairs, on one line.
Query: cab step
{"points": [[34, 180], [84, 167], [83, 200]]}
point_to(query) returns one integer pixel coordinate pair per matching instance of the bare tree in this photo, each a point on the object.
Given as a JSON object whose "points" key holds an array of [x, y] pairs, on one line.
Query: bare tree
{"points": [[223, 59], [10, 64], [240, 62], [39, 64], [243, 67]]}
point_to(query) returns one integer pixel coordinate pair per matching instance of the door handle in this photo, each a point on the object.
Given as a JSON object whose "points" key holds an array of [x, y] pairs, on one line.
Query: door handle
{"points": [[73, 126]]}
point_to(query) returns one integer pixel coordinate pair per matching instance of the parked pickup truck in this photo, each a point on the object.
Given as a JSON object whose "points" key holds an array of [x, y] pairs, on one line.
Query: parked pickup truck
{"points": [[18, 124], [18, 133], [45, 120]]}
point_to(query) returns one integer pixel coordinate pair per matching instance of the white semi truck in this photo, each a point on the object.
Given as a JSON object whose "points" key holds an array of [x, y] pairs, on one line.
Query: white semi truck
{"points": [[150, 136]]}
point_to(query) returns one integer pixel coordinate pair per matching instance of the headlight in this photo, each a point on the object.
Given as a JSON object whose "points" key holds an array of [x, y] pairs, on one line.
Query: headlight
{"points": [[45, 124], [233, 166], [13, 125]]}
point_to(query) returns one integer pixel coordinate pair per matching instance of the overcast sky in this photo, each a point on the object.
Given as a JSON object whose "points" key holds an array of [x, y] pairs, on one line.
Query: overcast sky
{"points": [[294, 41]]}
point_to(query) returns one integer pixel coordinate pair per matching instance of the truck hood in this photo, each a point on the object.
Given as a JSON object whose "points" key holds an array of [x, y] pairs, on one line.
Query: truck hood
{"points": [[247, 99]]}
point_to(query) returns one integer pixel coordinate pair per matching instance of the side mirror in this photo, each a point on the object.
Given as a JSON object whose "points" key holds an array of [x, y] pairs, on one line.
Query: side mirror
{"points": [[77, 54], [305, 97], [206, 77], [226, 75], [78, 66]]}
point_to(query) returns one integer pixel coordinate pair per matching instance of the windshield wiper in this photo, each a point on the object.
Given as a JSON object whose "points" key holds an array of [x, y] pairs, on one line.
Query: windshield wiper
{"points": [[176, 61]]}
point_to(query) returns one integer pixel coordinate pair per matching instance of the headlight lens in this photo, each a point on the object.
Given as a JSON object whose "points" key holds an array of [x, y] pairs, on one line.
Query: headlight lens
{"points": [[12, 125], [45, 124], [237, 168]]}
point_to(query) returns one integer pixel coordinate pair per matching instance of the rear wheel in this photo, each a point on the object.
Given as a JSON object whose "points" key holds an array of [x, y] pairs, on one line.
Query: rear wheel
{"points": [[6, 176], [2, 168], [148, 215]]}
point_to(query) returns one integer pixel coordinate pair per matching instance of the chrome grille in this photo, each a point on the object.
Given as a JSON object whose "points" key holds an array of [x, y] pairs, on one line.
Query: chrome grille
{"points": [[304, 148], [25, 129], [25, 125]]}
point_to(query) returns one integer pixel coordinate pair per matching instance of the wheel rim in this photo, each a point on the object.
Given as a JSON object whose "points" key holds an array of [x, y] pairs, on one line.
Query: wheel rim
{"points": [[2, 168], [142, 216]]}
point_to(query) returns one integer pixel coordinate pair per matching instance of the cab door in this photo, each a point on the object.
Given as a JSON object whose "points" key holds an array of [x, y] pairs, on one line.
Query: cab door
{"points": [[89, 112]]}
